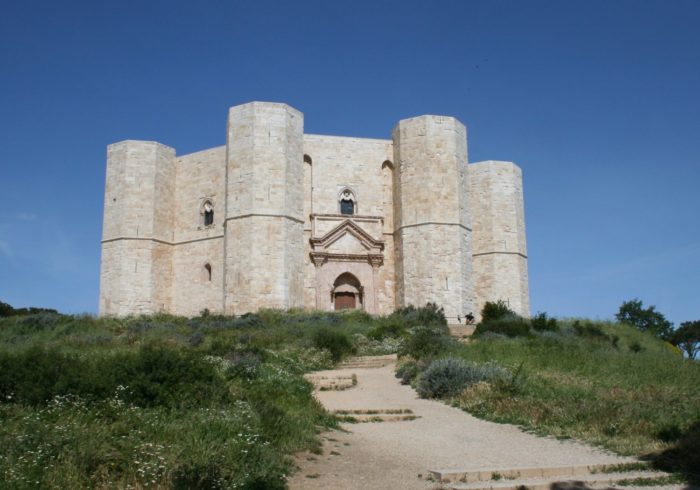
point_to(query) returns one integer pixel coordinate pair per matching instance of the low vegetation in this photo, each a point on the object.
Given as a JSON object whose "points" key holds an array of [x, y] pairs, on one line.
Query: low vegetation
{"points": [[221, 402], [163, 401], [605, 383], [170, 402]]}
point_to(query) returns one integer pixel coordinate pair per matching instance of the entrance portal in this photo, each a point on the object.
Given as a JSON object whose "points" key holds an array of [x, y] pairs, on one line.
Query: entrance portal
{"points": [[344, 301], [347, 292]]}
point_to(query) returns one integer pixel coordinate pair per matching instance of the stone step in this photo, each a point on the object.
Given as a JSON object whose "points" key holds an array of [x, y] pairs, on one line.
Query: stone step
{"points": [[481, 475], [461, 331], [351, 365], [604, 480], [367, 362], [328, 383], [362, 366], [376, 415]]}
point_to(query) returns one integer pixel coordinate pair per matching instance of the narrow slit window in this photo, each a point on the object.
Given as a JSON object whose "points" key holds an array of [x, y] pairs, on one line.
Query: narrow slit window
{"points": [[207, 271]]}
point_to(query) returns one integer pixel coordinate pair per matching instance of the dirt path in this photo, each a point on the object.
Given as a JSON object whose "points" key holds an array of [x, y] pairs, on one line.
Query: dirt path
{"points": [[398, 455]]}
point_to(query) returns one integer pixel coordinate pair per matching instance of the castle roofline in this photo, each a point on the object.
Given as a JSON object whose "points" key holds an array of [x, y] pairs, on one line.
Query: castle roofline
{"points": [[332, 136], [494, 163]]}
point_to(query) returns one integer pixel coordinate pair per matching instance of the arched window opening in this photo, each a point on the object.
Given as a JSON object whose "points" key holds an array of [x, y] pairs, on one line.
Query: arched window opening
{"points": [[207, 272], [308, 188], [347, 203], [347, 206], [388, 195], [208, 213]]}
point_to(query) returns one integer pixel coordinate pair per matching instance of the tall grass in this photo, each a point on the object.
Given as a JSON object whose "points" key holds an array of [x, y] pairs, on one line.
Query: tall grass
{"points": [[171, 402], [600, 382], [161, 401]]}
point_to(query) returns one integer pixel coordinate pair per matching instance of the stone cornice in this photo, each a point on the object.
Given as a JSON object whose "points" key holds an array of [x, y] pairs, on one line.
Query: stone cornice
{"points": [[264, 215], [503, 253], [320, 258], [347, 216], [432, 223], [164, 242]]}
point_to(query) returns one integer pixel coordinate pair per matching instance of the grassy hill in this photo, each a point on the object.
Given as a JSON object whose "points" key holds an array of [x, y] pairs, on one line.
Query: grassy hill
{"points": [[600, 382], [220, 402], [168, 402]]}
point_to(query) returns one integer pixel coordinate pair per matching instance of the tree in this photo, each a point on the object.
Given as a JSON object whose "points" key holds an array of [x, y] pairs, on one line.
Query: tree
{"points": [[644, 319], [6, 310], [687, 338], [493, 310]]}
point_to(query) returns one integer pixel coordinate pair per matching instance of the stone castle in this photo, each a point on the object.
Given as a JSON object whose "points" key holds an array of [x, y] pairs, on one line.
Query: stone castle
{"points": [[281, 219]]}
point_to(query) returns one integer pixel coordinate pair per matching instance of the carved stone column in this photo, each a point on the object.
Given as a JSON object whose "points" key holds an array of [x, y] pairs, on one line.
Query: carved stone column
{"points": [[318, 261], [376, 262]]}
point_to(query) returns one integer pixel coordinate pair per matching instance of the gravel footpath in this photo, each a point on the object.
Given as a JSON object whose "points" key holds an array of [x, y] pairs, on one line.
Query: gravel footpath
{"points": [[398, 455]]}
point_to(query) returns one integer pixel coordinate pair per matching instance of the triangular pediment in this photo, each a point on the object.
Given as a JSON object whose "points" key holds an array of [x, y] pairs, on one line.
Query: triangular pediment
{"points": [[347, 238], [347, 243]]}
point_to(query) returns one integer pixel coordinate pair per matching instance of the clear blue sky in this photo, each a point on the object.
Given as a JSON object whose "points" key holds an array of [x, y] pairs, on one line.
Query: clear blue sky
{"points": [[597, 101]]}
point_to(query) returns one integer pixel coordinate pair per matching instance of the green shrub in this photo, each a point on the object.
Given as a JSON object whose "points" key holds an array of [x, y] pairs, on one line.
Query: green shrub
{"points": [[364, 346], [391, 326], [509, 325], [425, 342], [8, 310], [243, 364], [495, 310], [208, 321], [282, 401], [248, 320], [446, 378], [541, 323], [154, 375], [684, 456], [336, 342], [407, 371], [39, 321], [428, 315], [595, 332]]}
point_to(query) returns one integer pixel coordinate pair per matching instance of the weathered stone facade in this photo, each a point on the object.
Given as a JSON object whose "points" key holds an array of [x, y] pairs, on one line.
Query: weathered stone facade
{"points": [[281, 219]]}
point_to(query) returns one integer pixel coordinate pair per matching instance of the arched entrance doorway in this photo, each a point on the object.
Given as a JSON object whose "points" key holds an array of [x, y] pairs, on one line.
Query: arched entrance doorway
{"points": [[347, 292]]}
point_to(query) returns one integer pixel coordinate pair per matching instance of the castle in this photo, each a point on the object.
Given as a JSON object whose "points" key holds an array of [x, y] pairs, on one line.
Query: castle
{"points": [[278, 218]]}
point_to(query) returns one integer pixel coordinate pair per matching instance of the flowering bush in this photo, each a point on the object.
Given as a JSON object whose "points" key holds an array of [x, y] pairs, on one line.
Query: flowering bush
{"points": [[371, 347], [446, 378]]}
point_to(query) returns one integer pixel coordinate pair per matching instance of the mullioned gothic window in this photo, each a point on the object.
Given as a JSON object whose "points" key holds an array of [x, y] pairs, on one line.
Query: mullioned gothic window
{"points": [[208, 213], [347, 203]]}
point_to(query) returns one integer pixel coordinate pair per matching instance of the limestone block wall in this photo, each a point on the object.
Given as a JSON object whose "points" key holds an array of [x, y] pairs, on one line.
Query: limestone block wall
{"points": [[200, 178], [500, 250], [273, 189], [364, 166], [138, 221], [431, 211], [193, 290], [264, 208], [356, 163]]}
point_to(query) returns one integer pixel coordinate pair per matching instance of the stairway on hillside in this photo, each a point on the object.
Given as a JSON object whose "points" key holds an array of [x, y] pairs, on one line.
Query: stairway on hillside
{"points": [[364, 362], [552, 478]]}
